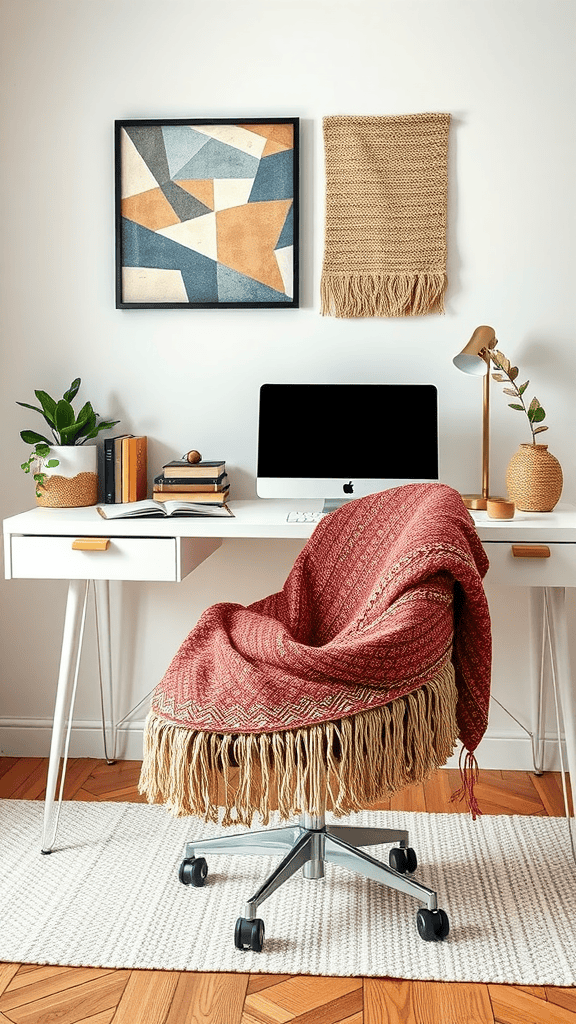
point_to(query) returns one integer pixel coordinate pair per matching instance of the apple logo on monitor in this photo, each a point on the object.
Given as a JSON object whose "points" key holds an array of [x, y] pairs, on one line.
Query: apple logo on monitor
{"points": [[348, 488]]}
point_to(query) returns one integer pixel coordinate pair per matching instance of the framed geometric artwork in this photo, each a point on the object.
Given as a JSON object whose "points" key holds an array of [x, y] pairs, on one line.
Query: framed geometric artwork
{"points": [[207, 213]]}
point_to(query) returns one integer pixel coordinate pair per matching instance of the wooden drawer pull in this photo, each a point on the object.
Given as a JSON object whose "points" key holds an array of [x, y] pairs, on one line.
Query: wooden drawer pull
{"points": [[531, 551], [90, 544]]}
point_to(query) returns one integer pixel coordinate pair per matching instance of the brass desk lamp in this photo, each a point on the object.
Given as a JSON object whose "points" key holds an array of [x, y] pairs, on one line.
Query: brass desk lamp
{"points": [[474, 359]]}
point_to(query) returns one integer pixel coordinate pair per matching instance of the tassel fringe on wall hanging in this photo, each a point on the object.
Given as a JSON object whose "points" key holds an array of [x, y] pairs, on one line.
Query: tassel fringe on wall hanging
{"points": [[386, 211]]}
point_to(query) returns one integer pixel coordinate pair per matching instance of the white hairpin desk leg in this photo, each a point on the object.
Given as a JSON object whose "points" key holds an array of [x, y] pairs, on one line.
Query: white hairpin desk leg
{"points": [[102, 604], [561, 669], [65, 693], [537, 647]]}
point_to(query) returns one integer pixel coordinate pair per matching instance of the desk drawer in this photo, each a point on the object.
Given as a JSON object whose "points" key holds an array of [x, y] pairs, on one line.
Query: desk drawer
{"points": [[125, 558], [558, 569]]}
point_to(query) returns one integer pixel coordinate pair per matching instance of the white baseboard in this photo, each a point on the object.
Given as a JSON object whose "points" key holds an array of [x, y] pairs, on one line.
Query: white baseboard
{"points": [[31, 738], [513, 753]]}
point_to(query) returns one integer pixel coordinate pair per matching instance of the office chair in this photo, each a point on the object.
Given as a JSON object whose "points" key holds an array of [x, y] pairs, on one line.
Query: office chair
{"points": [[355, 680]]}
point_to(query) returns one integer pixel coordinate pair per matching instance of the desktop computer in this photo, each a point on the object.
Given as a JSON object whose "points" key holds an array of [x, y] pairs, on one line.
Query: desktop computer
{"points": [[343, 441]]}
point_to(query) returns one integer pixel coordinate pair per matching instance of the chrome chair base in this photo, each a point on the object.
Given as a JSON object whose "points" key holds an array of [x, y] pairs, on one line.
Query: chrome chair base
{"points": [[309, 845]]}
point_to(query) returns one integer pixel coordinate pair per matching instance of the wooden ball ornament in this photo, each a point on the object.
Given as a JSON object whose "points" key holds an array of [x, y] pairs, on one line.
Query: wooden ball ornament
{"points": [[193, 457]]}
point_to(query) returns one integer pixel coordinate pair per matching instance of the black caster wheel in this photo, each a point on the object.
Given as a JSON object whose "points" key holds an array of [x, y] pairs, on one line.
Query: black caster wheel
{"points": [[249, 934], [403, 860], [433, 925], [193, 871]]}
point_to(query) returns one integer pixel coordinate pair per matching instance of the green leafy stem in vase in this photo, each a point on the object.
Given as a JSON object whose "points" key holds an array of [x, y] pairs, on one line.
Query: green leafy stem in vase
{"points": [[508, 374], [66, 427]]}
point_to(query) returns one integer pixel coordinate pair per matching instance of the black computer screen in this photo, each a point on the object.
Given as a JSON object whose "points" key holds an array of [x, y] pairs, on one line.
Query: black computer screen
{"points": [[379, 431]]}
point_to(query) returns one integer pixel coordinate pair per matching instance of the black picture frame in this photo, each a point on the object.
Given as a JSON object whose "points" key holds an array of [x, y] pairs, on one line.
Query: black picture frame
{"points": [[207, 213]]}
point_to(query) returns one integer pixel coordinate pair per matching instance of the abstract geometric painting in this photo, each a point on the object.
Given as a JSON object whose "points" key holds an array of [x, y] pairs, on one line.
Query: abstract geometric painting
{"points": [[207, 213]]}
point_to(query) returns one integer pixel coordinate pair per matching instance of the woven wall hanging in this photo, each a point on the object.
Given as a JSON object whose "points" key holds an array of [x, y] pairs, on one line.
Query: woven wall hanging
{"points": [[386, 210]]}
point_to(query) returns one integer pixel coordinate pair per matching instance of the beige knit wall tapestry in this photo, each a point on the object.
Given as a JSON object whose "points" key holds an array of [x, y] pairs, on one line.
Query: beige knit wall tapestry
{"points": [[386, 208]]}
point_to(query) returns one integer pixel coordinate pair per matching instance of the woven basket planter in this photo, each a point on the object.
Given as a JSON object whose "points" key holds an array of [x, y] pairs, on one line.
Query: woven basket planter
{"points": [[74, 482], [534, 479]]}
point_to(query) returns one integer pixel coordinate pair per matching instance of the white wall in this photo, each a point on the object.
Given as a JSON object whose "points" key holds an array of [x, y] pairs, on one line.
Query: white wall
{"points": [[190, 378]]}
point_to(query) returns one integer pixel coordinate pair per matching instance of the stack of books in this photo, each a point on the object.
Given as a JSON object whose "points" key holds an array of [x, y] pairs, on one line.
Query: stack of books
{"points": [[125, 468], [198, 482]]}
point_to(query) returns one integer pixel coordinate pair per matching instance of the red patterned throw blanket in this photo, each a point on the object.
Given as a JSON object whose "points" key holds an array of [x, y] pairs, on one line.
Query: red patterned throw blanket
{"points": [[356, 679]]}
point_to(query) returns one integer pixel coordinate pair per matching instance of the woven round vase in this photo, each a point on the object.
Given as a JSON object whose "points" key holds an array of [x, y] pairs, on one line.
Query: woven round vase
{"points": [[534, 478], [73, 483]]}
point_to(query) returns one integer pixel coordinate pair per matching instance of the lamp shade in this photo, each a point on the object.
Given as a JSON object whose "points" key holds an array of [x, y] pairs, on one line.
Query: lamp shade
{"points": [[471, 359]]}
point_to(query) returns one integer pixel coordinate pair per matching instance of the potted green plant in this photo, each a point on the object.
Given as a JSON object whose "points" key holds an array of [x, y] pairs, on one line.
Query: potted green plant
{"points": [[76, 482], [534, 476]]}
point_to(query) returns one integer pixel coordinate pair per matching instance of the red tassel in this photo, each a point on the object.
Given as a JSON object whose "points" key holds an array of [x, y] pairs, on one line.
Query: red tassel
{"points": [[469, 772]]}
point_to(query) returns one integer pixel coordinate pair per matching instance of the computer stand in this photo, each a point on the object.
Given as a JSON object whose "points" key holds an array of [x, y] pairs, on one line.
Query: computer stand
{"points": [[331, 504]]}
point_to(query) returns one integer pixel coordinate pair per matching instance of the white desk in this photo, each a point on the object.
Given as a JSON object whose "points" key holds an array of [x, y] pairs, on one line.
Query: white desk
{"points": [[38, 545]]}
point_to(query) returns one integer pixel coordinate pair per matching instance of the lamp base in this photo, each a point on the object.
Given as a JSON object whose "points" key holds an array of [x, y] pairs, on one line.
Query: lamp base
{"points": [[478, 502], [474, 501]]}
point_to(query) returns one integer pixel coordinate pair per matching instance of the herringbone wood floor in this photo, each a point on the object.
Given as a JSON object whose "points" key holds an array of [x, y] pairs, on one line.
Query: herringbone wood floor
{"points": [[32, 994]]}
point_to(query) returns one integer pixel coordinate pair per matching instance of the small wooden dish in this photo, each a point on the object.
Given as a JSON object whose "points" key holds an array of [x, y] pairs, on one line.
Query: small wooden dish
{"points": [[500, 508]]}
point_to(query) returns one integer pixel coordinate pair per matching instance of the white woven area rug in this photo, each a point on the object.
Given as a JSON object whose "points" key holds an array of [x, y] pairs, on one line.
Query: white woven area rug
{"points": [[109, 896]]}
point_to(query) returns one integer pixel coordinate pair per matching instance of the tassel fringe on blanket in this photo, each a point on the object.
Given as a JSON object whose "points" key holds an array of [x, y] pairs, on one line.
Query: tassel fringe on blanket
{"points": [[340, 766]]}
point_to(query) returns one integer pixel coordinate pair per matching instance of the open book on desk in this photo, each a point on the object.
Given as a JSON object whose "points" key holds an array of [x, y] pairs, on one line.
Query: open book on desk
{"points": [[148, 509]]}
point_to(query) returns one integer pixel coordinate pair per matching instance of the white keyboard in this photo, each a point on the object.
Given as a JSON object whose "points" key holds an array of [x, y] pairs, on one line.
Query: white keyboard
{"points": [[304, 517]]}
